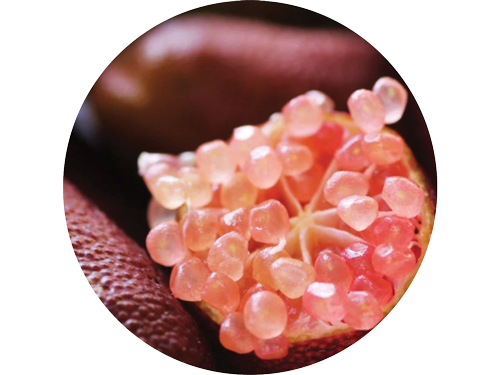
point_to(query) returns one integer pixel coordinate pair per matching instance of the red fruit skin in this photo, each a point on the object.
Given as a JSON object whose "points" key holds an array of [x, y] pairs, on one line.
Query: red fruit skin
{"points": [[300, 354], [130, 285]]}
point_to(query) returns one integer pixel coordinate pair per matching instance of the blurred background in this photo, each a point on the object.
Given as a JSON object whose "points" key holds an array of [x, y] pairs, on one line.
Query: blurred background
{"points": [[195, 77]]}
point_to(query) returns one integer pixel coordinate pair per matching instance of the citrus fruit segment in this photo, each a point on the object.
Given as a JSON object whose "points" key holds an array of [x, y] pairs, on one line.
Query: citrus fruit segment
{"points": [[320, 222]]}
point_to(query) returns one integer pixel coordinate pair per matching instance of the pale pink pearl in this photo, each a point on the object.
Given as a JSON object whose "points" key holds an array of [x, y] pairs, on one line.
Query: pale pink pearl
{"points": [[393, 96], [403, 196], [215, 161], [165, 245], [324, 101], [359, 212], [245, 139], [269, 222], [303, 117], [234, 336], [366, 110], [383, 148], [362, 311], [343, 184], [324, 301], [262, 167], [265, 315]]}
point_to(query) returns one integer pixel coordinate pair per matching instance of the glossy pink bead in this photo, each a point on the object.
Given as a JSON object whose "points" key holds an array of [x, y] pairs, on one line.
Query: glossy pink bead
{"points": [[165, 245], [324, 301], [331, 268], [245, 139], [234, 336], [303, 117], [351, 156], [403, 196], [295, 158], [187, 280], [393, 96], [274, 348], [359, 212], [221, 293], [362, 311], [265, 315], [228, 255], [269, 222], [292, 276], [383, 148], [200, 228], [366, 110], [343, 184], [395, 230], [393, 261], [262, 167], [215, 161]]}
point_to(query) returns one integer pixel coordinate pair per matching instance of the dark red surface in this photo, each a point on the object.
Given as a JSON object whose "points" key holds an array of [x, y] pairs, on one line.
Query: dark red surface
{"points": [[130, 285]]}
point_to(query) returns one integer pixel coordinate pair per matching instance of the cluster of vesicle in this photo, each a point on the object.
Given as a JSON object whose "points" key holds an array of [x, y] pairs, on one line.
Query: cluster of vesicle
{"points": [[298, 219]]}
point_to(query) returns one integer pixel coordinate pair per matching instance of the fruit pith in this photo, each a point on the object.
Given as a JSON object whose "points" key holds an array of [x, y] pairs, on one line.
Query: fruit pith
{"points": [[309, 226]]}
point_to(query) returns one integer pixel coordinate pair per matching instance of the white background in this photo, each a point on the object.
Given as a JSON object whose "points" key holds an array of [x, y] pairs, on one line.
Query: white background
{"points": [[51, 54]]}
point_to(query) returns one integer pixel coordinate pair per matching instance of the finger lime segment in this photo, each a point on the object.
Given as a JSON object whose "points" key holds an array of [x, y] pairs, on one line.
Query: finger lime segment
{"points": [[308, 226]]}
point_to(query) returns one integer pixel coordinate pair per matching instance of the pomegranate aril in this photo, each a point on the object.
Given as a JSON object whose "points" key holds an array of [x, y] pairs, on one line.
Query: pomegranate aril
{"points": [[295, 158], [245, 139], [265, 315], [303, 117], [294, 308], [261, 266], [366, 110], [238, 192], [269, 222], [393, 96], [200, 228], [332, 268], [156, 171], [228, 255], [221, 293], [304, 185], [274, 128], [187, 280], [393, 261], [362, 311], [292, 276], [351, 156], [321, 99], [358, 212], [358, 257], [324, 301], [198, 189], [376, 285], [187, 159], [343, 184], [395, 230], [158, 214], [403, 196], [383, 148], [245, 295], [236, 221], [146, 160], [169, 191], [274, 348], [381, 172], [165, 245], [215, 161], [262, 167], [233, 334], [329, 138]]}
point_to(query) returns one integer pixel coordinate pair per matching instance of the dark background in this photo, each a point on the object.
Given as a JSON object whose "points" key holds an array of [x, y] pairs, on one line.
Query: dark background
{"points": [[108, 176]]}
